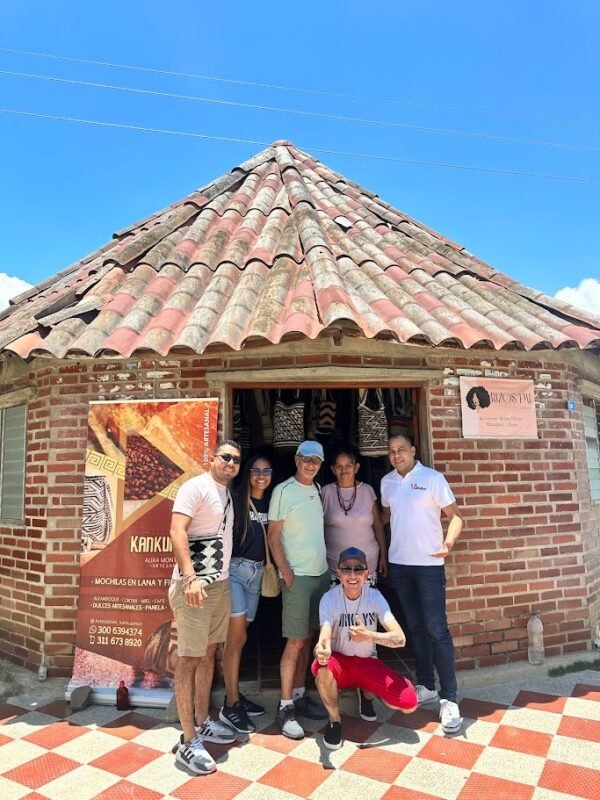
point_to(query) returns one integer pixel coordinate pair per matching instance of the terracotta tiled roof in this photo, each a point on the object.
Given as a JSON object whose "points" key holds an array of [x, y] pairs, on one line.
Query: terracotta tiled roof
{"points": [[282, 246]]}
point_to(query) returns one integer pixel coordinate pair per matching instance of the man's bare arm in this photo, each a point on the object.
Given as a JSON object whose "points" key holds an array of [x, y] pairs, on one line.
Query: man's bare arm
{"points": [[193, 587], [455, 527], [393, 637], [322, 649], [277, 551], [180, 524]]}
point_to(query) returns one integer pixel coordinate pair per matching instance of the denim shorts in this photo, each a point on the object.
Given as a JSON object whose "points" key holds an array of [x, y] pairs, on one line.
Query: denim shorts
{"points": [[244, 579]]}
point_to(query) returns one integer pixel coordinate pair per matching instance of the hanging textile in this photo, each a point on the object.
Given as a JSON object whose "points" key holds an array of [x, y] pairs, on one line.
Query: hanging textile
{"points": [[326, 409], [400, 412], [245, 439], [288, 423], [372, 425], [242, 433], [237, 419], [263, 407]]}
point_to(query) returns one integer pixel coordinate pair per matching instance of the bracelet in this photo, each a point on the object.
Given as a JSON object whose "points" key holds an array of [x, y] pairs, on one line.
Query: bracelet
{"points": [[187, 576]]}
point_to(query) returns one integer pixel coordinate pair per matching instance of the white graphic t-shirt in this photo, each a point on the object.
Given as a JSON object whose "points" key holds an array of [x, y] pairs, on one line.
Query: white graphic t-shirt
{"points": [[340, 612]]}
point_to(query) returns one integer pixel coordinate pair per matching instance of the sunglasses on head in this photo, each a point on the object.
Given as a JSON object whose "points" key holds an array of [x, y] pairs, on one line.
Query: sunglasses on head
{"points": [[256, 471], [356, 570], [310, 460], [226, 458]]}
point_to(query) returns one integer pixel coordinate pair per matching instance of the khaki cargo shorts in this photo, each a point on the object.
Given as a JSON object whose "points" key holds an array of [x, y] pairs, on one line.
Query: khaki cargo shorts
{"points": [[199, 627]]}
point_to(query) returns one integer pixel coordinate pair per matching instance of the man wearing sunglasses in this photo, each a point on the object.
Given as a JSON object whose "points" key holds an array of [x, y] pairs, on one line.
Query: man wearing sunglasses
{"points": [[297, 542], [201, 533], [346, 654]]}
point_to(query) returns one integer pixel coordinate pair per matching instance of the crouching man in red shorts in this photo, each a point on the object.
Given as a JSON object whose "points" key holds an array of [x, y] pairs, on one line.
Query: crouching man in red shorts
{"points": [[346, 656]]}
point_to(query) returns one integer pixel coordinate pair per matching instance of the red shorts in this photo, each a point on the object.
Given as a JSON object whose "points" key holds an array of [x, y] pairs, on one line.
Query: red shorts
{"points": [[370, 675]]}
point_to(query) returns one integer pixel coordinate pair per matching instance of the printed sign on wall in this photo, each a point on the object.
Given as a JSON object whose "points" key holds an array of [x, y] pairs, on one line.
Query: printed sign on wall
{"points": [[138, 454], [497, 408]]}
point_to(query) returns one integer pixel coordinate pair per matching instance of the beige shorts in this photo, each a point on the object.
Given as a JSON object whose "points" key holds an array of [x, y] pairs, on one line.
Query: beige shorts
{"points": [[199, 627]]}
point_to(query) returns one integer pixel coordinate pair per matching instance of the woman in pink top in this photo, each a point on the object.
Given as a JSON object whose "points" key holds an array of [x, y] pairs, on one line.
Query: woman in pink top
{"points": [[352, 517]]}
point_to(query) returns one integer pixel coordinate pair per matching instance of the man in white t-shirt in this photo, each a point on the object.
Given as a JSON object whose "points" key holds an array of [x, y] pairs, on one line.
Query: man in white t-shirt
{"points": [[201, 534], [414, 497], [346, 653], [297, 541]]}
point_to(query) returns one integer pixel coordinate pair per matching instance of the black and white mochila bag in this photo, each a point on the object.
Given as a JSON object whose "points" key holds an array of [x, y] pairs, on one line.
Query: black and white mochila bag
{"points": [[288, 423], [372, 425]]}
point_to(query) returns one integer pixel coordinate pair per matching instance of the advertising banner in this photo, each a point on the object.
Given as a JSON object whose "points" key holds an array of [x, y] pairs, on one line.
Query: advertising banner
{"points": [[497, 408], [138, 454]]}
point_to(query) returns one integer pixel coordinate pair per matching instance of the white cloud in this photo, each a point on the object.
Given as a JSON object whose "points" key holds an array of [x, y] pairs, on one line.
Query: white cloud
{"points": [[10, 287], [585, 296]]}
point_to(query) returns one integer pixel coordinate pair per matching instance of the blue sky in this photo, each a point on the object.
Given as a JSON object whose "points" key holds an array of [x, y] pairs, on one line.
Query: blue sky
{"points": [[68, 187]]}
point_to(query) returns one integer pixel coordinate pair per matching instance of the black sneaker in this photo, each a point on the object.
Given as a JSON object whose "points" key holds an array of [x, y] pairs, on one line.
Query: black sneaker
{"points": [[307, 707], [251, 708], [333, 736], [366, 710], [236, 717]]}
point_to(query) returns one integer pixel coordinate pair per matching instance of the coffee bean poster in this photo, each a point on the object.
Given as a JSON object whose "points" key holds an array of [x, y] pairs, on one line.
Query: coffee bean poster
{"points": [[137, 457]]}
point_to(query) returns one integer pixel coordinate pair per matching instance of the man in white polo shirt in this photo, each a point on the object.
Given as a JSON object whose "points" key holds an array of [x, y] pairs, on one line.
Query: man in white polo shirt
{"points": [[415, 497]]}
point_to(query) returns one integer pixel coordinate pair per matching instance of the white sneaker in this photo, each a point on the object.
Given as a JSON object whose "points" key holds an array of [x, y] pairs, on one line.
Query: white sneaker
{"points": [[450, 716], [213, 731], [195, 757], [425, 695]]}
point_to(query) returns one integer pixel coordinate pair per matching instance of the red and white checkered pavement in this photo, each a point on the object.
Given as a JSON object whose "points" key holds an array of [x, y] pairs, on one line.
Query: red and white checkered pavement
{"points": [[537, 746]]}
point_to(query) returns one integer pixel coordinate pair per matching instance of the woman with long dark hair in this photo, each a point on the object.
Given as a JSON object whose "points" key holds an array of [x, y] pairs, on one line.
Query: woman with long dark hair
{"points": [[251, 504]]}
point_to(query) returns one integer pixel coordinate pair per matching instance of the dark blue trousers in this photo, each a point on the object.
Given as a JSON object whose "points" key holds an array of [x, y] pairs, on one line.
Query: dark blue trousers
{"points": [[422, 595]]}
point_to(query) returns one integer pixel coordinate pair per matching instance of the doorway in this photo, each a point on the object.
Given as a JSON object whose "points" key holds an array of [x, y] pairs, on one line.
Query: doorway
{"points": [[272, 421]]}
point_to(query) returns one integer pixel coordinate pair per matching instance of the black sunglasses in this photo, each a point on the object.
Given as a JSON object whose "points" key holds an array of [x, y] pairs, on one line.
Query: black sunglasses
{"points": [[227, 457], [356, 570]]}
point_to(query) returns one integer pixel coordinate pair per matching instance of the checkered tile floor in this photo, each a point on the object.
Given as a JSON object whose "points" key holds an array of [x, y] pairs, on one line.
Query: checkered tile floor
{"points": [[529, 746]]}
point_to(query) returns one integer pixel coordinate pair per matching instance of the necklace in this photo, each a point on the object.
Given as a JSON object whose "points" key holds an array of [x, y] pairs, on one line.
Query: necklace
{"points": [[346, 508], [359, 598]]}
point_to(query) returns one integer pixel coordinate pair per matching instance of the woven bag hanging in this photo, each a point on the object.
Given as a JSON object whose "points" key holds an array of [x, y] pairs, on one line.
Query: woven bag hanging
{"points": [[325, 414], [263, 408], [372, 425], [288, 423], [401, 412], [237, 419], [241, 428], [245, 435]]}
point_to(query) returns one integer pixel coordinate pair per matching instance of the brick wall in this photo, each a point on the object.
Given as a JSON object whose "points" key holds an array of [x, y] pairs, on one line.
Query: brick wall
{"points": [[531, 533], [531, 537]]}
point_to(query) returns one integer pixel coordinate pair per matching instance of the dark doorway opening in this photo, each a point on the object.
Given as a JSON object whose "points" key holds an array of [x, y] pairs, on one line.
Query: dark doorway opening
{"points": [[329, 415]]}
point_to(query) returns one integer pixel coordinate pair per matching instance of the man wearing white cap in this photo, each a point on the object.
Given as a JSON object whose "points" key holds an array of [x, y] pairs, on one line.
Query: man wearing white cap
{"points": [[297, 541]]}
